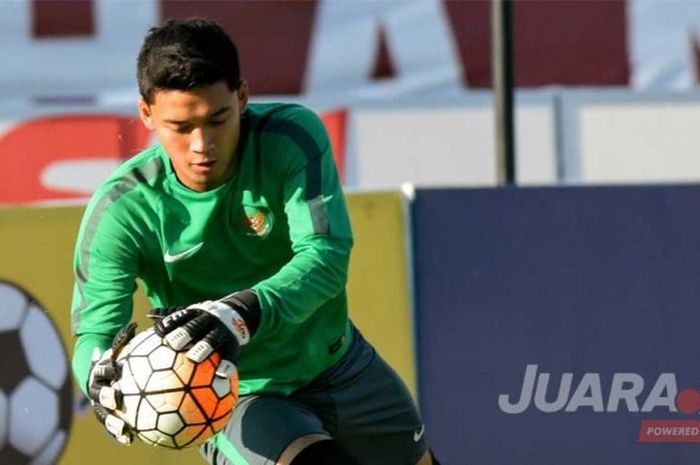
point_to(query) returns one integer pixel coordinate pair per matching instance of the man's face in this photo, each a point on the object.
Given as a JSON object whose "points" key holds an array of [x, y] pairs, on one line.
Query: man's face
{"points": [[199, 130]]}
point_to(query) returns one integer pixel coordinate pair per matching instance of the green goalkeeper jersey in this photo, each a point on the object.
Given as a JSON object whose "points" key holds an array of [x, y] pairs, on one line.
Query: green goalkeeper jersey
{"points": [[278, 225]]}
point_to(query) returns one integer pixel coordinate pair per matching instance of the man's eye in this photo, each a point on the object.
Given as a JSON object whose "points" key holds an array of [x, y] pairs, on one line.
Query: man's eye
{"points": [[217, 122], [183, 129]]}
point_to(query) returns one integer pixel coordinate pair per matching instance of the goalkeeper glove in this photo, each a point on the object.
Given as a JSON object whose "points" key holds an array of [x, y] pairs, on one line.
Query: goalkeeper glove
{"points": [[222, 325], [105, 399]]}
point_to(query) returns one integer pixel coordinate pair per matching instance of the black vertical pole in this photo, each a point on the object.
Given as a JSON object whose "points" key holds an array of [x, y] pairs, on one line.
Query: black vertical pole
{"points": [[502, 78]]}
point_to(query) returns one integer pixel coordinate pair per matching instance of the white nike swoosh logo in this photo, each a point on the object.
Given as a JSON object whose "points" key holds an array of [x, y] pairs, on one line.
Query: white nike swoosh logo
{"points": [[418, 434], [173, 258]]}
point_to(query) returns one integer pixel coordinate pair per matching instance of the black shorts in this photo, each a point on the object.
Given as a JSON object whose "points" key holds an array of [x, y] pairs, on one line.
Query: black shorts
{"points": [[360, 402]]}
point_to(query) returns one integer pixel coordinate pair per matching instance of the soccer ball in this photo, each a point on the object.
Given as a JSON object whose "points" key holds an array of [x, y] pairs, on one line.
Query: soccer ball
{"points": [[169, 400], [36, 397]]}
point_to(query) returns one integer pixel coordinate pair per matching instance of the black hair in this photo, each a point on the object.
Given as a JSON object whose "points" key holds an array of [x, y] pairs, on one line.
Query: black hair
{"points": [[185, 54]]}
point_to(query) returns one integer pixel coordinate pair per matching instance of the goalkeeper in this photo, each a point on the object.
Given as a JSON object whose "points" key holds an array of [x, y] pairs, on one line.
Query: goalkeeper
{"points": [[237, 228]]}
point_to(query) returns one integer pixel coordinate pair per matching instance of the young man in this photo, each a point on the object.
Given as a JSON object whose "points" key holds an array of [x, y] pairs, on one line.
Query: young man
{"points": [[240, 203]]}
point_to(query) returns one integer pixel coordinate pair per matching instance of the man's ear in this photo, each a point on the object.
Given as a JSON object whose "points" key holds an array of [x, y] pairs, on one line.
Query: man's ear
{"points": [[242, 93], [145, 114]]}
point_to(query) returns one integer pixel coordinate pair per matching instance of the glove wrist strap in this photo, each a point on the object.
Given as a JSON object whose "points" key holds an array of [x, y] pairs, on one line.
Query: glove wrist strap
{"points": [[247, 304], [231, 318]]}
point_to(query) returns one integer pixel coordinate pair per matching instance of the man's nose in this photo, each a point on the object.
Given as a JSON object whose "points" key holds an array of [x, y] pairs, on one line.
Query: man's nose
{"points": [[201, 141]]}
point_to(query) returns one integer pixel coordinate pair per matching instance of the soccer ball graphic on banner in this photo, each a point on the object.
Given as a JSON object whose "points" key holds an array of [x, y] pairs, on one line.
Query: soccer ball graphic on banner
{"points": [[170, 400], [36, 398]]}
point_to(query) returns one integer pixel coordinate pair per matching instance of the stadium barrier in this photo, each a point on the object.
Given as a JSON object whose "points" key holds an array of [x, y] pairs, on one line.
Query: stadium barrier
{"points": [[553, 324], [559, 325]]}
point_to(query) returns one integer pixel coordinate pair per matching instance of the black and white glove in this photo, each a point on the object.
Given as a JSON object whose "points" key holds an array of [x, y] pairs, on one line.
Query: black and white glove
{"points": [[223, 325], [105, 399]]}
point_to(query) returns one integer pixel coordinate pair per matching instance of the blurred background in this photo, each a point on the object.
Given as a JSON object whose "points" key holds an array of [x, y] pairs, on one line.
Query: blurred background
{"points": [[583, 269]]}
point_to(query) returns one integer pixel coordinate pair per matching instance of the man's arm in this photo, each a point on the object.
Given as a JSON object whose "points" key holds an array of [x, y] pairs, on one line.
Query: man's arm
{"points": [[319, 227], [105, 268]]}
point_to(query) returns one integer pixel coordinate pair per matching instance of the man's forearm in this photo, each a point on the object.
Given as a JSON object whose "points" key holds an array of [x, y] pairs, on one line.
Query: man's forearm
{"points": [[82, 356]]}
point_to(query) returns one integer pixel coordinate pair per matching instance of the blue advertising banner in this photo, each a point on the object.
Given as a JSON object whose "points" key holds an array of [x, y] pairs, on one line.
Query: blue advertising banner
{"points": [[559, 325]]}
